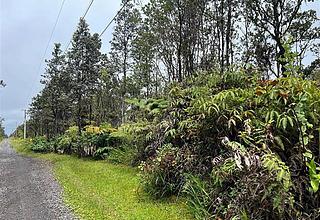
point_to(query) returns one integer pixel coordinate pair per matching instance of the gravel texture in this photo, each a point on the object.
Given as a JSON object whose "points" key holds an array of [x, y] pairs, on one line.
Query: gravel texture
{"points": [[28, 189]]}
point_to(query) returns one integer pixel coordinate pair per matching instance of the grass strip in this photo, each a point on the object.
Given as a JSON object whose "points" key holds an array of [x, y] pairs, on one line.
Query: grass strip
{"points": [[101, 190]]}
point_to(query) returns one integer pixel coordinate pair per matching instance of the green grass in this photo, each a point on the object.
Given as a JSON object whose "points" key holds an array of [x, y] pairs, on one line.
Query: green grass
{"points": [[100, 190]]}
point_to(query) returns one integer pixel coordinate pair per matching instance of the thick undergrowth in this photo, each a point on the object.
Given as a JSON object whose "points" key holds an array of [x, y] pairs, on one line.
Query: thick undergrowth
{"points": [[240, 148], [235, 146]]}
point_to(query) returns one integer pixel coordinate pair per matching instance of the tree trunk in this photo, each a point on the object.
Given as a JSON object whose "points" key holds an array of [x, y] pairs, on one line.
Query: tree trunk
{"points": [[228, 34], [180, 44], [280, 57], [222, 35]]}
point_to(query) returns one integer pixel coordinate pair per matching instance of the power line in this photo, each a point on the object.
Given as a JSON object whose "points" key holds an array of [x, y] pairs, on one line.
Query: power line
{"points": [[84, 15], [48, 43], [52, 32], [108, 25]]}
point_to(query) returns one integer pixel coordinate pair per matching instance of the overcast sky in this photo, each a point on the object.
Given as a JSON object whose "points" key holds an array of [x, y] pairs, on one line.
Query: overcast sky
{"points": [[25, 28]]}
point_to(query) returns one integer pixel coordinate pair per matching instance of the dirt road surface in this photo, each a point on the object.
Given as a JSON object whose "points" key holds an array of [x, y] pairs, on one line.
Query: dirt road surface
{"points": [[28, 189]]}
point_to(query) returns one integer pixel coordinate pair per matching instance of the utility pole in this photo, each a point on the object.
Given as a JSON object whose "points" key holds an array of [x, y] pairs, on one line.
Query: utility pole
{"points": [[25, 125], [15, 132]]}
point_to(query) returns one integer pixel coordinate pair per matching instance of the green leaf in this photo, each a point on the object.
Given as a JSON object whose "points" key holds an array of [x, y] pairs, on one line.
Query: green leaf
{"points": [[306, 140], [272, 115], [231, 122], [308, 154], [303, 128], [284, 123], [316, 176], [279, 142], [315, 185], [312, 165], [280, 175], [267, 117], [277, 114], [290, 121]]}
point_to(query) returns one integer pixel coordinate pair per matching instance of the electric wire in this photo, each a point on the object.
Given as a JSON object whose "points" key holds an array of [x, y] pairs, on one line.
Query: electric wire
{"points": [[47, 46], [83, 17], [108, 25]]}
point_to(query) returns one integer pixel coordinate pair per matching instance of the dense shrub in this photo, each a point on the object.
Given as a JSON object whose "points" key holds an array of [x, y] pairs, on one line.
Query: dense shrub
{"points": [[134, 140], [248, 152], [161, 176], [125, 144], [41, 145], [123, 155], [68, 142]]}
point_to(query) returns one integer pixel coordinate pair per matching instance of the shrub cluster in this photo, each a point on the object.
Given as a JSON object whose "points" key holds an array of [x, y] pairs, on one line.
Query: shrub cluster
{"points": [[239, 148], [122, 145]]}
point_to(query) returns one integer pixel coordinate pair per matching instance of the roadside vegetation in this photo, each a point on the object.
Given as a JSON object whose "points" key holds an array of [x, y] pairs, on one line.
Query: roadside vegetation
{"points": [[101, 190], [232, 146], [208, 100]]}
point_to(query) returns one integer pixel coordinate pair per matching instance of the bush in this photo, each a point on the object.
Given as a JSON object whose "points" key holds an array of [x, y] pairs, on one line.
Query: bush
{"points": [[123, 155], [161, 176], [132, 143], [41, 145], [235, 190], [254, 149]]}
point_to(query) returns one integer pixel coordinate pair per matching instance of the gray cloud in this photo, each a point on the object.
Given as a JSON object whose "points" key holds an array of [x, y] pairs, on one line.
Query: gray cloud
{"points": [[25, 28]]}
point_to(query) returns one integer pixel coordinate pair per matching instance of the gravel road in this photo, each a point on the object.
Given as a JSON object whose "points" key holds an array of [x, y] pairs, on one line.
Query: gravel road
{"points": [[28, 189]]}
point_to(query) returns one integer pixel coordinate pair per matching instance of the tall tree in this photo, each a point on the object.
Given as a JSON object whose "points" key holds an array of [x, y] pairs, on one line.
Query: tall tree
{"points": [[107, 99], [56, 83], [279, 20], [41, 118], [83, 66], [145, 72], [127, 23]]}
